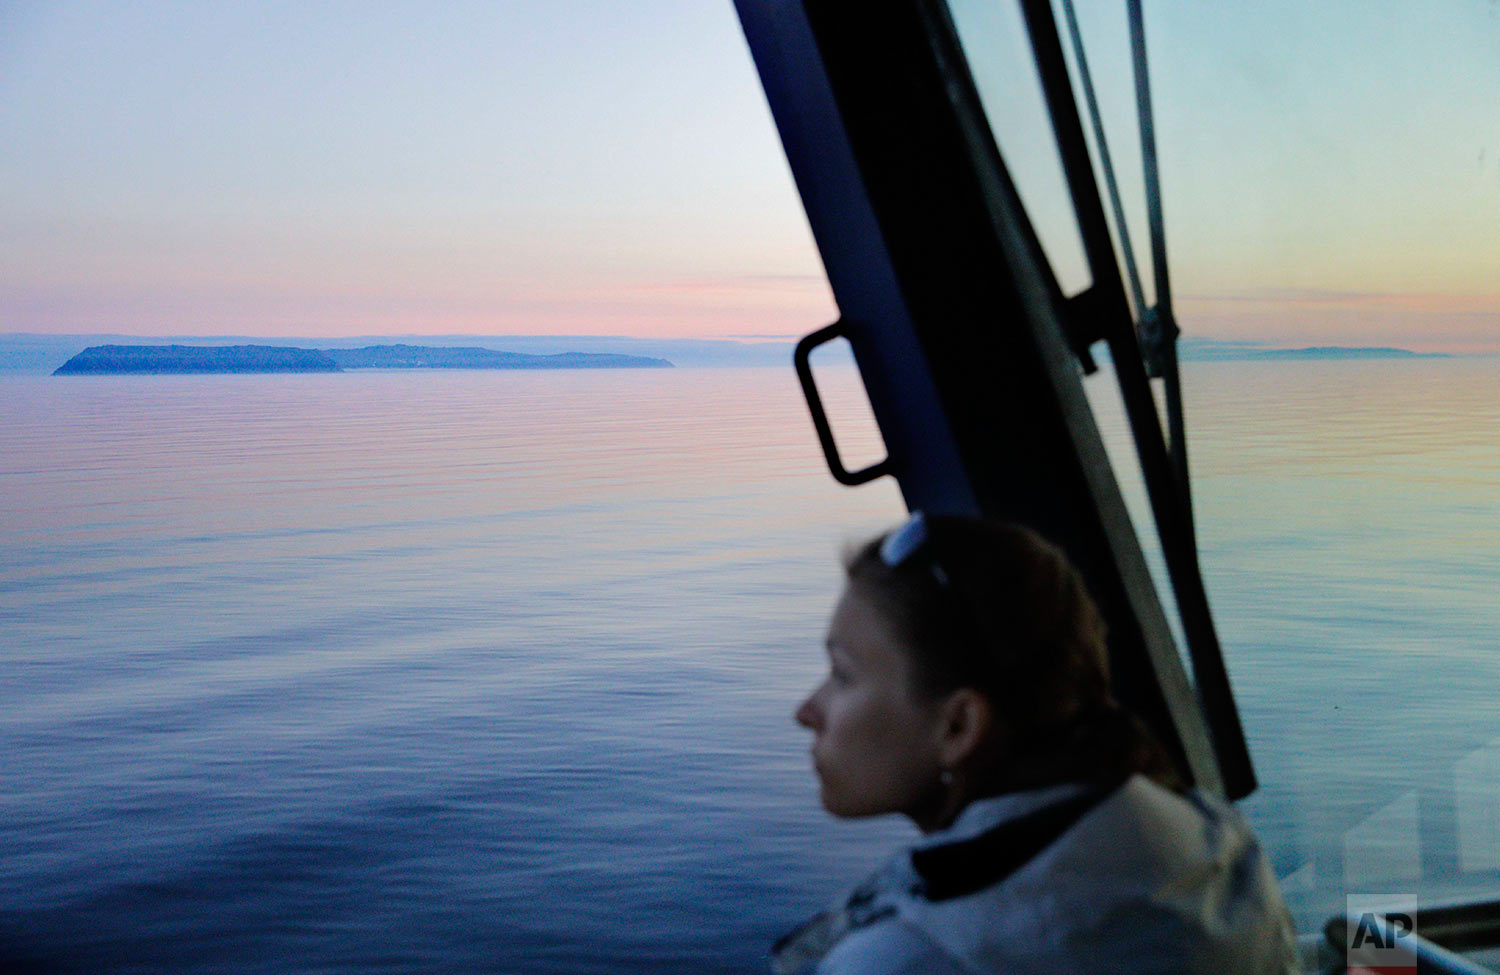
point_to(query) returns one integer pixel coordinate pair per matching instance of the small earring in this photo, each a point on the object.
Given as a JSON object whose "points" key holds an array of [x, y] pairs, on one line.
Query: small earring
{"points": [[945, 777]]}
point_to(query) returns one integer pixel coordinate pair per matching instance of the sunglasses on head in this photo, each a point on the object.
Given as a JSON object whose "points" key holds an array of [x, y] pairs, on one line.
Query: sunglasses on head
{"points": [[909, 542]]}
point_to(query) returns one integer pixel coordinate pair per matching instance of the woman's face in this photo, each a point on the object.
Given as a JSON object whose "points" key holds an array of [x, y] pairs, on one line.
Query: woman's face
{"points": [[875, 742]]}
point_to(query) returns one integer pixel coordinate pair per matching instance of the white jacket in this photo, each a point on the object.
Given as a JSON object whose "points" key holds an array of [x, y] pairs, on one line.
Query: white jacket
{"points": [[1058, 880]]}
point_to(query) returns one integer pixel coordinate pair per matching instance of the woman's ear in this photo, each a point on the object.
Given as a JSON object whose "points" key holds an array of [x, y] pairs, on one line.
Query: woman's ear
{"points": [[966, 725]]}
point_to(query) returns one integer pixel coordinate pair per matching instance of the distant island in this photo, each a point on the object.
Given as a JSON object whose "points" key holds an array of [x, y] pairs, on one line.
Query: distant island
{"points": [[202, 359], [151, 359], [446, 357], [1211, 350], [1346, 352]]}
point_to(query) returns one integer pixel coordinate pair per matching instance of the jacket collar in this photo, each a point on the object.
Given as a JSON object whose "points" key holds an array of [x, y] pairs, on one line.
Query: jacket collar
{"points": [[982, 815], [993, 838]]}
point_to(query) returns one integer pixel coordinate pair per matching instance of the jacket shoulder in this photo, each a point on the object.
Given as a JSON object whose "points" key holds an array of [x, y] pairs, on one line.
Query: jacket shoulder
{"points": [[1149, 880], [890, 946]]}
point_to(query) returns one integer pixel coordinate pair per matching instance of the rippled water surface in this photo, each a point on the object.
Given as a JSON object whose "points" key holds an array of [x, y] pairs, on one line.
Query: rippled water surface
{"points": [[493, 671]]}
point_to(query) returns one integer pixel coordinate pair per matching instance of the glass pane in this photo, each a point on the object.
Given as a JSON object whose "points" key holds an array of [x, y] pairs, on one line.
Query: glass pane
{"points": [[999, 53], [1345, 492], [1330, 224], [1105, 33]]}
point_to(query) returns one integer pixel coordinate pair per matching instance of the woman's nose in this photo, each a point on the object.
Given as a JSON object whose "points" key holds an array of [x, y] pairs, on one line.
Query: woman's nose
{"points": [[807, 712]]}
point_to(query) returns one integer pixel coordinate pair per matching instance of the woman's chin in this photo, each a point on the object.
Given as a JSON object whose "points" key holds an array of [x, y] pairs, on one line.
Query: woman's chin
{"points": [[840, 806]]}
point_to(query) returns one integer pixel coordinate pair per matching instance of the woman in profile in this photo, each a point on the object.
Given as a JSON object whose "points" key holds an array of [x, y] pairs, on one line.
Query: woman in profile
{"points": [[968, 690]]}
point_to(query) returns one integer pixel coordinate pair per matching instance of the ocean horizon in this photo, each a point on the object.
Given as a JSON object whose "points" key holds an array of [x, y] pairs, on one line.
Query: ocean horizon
{"points": [[38, 354]]}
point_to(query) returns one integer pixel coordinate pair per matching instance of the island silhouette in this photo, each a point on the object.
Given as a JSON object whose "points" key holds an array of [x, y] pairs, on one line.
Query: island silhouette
{"points": [[203, 359]]}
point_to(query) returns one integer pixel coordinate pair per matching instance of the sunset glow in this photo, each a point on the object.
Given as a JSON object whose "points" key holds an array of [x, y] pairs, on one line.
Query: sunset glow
{"points": [[1331, 171]]}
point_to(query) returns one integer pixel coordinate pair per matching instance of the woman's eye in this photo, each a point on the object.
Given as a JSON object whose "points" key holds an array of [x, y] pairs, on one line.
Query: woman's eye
{"points": [[839, 675]]}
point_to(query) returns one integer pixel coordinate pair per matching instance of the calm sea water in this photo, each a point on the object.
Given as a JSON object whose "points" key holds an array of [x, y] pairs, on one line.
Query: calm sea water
{"points": [[440, 672]]}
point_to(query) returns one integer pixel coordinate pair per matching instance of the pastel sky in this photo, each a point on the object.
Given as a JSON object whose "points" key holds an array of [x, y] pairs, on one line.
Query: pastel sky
{"points": [[1331, 170]]}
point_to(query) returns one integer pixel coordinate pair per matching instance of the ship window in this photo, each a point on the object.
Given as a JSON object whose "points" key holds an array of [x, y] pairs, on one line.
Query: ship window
{"points": [[1110, 415], [1105, 36], [1343, 493], [998, 50]]}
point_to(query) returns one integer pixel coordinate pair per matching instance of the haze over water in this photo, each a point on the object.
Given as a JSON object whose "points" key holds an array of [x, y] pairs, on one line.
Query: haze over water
{"points": [[494, 670]]}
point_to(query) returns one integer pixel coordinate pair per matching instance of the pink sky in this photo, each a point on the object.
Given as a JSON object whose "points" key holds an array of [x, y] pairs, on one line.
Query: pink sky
{"points": [[525, 169]]}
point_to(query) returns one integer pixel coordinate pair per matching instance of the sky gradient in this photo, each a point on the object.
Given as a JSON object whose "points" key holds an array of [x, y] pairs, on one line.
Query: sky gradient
{"points": [[1331, 170]]}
